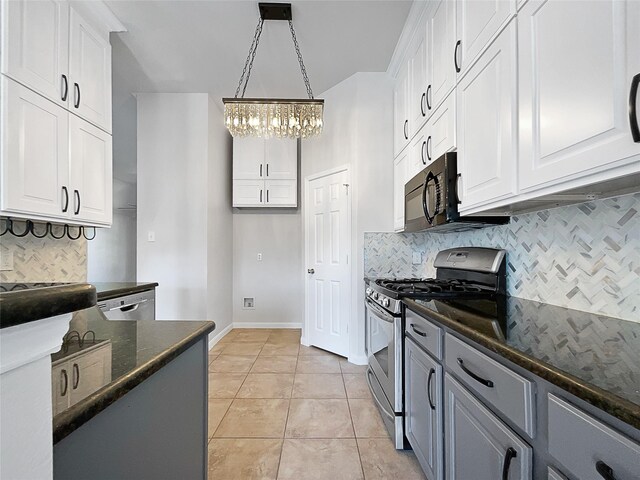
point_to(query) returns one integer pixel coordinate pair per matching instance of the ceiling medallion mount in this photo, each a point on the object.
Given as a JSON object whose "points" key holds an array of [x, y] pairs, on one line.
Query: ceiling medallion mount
{"points": [[273, 117]]}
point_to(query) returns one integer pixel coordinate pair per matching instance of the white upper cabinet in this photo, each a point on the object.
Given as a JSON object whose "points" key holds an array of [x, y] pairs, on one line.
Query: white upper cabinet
{"points": [[486, 124], [89, 72], [418, 82], [35, 153], [265, 172], [417, 159], [35, 46], [577, 61], [399, 179], [401, 111], [441, 129], [91, 173], [478, 23], [281, 159], [441, 44]]}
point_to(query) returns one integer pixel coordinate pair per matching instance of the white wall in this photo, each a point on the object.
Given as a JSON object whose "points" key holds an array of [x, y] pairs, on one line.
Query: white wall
{"points": [[358, 130], [172, 201], [219, 222], [276, 281]]}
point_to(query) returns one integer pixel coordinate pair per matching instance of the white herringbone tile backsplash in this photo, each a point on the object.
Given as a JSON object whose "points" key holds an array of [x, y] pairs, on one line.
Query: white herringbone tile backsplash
{"points": [[585, 257]]}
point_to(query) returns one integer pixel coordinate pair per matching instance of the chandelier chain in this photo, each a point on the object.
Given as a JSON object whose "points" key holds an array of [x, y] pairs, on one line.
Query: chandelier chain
{"points": [[249, 62], [300, 61]]}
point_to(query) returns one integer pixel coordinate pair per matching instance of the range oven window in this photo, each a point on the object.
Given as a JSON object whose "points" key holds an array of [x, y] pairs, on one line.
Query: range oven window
{"points": [[413, 205], [380, 339]]}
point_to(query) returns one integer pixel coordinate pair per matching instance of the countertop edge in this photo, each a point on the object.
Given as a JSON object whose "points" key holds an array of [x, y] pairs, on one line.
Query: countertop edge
{"points": [[118, 292], [608, 402], [73, 418]]}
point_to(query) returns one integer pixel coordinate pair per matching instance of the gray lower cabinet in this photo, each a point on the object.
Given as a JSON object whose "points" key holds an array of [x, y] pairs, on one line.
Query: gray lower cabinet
{"points": [[553, 474], [423, 409], [478, 444]]}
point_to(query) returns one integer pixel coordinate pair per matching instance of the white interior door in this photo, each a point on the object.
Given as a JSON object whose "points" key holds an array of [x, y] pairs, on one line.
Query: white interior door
{"points": [[328, 238]]}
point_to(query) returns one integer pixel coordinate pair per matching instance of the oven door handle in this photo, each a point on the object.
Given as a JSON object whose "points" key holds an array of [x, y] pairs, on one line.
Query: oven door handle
{"points": [[380, 312], [380, 406]]}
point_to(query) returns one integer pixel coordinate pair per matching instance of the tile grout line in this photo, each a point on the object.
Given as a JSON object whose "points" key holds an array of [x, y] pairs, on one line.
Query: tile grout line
{"points": [[355, 437]]}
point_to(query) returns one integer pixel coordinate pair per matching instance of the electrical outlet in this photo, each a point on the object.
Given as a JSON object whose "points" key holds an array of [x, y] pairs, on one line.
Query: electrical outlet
{"points": [[417, 258], [248, 303], [151, 236], [6, 260], [259, 257]]}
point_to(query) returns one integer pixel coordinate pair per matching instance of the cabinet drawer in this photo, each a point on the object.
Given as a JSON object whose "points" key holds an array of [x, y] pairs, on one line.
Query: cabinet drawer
{"points": [[578, 441], [425, 333], [501, 387]]}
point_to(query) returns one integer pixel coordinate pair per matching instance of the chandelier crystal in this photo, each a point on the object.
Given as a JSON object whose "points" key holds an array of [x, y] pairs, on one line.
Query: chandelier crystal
{"points": [[273, 117]]}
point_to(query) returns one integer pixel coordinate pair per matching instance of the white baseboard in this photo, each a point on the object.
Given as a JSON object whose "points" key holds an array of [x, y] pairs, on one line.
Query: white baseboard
{"points": [[358, 359], [304, 341], [215, 339], [266, 325]]}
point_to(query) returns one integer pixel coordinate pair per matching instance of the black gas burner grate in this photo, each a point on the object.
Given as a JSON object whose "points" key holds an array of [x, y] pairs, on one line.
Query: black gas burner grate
{"points": [[418, 287]]}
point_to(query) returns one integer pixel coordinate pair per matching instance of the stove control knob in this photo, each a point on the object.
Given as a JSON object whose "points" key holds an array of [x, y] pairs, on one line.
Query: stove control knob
{"points": [[386, 303], [368, 292], [375, 295]]}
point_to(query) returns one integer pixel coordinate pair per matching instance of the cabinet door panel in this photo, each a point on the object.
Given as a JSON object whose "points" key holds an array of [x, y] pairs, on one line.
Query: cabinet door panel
{"points": [[248, 193], [477, 441], [400, 115], [281, 159], [399, 179], [90, 72], [442, 129], [91, 172], [478, 22], [417, 160], [486, 124], [573, 117], [281, 193], [442, 40], [418, 83], [35, 152], [89, 372], [35, 45], [248, 158], [60, 387], [423, 409]]}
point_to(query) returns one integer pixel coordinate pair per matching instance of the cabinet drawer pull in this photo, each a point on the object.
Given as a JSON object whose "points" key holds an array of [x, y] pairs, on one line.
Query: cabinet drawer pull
{"points": [[65, 384], [422, 102], [486, 383], [424, 162], [428, 97], [267, 195], [76, 376], [260, 195], [510, 455], [76, 87], [406, 131], [260, 169], [429, 147], [431, 372], [604, 470], [633, 115], [76, 194], [267, 169], [455, 57], [419, 332], [65, 87], [66, 199]]}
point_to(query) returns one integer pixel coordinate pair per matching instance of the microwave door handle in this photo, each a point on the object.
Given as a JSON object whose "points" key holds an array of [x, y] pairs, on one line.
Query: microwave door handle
{"points": [[425, 207]]}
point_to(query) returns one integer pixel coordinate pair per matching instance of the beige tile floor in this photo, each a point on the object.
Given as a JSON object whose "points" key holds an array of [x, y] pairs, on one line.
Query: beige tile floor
{"points": [[279, 410]]}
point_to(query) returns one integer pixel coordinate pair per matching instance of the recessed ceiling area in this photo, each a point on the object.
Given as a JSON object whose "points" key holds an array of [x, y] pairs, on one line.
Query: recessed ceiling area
{"points": [[201, 46]]}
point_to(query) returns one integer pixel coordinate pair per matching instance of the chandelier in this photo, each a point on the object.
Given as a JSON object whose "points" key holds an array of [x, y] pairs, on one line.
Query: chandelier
{"points": [[273, 117]]}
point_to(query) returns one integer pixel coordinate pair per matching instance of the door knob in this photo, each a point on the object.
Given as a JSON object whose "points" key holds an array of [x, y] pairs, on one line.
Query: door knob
{"points": [[311, 271]]}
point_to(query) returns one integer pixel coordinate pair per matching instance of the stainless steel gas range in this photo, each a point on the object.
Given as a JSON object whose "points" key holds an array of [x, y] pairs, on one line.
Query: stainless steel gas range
{"points": [[461, 273]]}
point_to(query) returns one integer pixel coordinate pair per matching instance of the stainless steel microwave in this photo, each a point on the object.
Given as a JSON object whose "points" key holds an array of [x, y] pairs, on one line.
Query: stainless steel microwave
{"points": [[431, 200]]}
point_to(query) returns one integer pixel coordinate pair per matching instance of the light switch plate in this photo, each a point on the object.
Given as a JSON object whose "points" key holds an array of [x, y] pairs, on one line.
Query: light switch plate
{"points": [[6, 260], [417, 258], [259, 257]]}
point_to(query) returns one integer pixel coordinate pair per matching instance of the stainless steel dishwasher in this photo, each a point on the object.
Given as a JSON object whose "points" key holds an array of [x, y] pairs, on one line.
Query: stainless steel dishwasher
{"points": [[137, 306]]}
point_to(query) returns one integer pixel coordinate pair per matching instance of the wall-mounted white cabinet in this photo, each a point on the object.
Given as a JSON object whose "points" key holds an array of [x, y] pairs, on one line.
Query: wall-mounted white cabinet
{"points": [[401, 111], [576, 64], [89, 72], [265, 172], [55, 166], [49, 47], [418, 103], [487, 107], [441, 45], [399, 179]]}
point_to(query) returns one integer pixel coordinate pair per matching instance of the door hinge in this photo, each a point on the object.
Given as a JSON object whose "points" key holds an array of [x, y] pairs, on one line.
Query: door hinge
{"points": [[346, 186]]}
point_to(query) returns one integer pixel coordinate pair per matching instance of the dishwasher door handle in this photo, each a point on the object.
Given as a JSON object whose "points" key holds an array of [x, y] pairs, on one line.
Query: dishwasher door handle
{"points": [[129, 307]]}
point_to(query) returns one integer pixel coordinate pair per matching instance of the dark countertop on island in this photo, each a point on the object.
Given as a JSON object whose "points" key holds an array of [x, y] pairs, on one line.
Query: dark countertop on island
{"points": [[138, 349], [594, 357], [108, 290], [27, 302]]}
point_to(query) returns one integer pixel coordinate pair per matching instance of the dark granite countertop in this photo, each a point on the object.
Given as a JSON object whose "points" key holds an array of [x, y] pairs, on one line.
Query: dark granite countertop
{"points": [[594, 357], [138, 349], [26, 302], [108, 290]]}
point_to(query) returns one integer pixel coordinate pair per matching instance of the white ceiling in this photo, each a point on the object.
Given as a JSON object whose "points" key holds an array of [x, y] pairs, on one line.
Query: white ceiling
{"points": [[201, 46]]}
